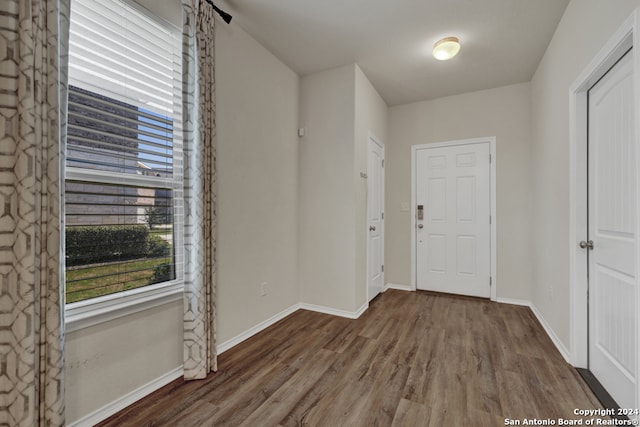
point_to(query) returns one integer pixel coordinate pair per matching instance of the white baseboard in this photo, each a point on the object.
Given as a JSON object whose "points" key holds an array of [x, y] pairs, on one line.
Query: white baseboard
{"points": [[547, 328], [398, 287], [334, 311], [361, 310], [222, 347], [128, 399], [554, 338], [514, 301]]}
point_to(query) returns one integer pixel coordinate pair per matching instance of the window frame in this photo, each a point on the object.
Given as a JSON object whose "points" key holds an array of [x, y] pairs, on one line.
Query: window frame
{"points": [[93, 311]]}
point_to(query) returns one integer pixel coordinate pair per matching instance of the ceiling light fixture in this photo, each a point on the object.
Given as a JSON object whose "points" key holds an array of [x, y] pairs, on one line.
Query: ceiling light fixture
{"points": [[446, 48]]}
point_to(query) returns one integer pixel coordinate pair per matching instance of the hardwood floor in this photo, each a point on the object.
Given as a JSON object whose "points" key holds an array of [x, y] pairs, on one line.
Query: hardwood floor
{"points": [[412, 359]]}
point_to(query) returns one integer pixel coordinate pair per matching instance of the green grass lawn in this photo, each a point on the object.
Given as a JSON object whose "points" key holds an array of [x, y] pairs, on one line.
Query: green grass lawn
{"points": [[94, 281]]}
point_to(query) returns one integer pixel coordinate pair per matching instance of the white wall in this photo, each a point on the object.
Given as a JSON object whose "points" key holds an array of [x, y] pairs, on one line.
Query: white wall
{"points": [[503, 112], [584, 29], [327, 194], [257, 122], [107, 361], [338, 109], [257, 118]]}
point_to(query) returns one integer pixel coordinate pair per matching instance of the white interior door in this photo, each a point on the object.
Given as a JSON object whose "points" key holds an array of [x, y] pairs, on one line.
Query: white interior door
{"points": [[453, 243], [375, 222], [612, 235]]}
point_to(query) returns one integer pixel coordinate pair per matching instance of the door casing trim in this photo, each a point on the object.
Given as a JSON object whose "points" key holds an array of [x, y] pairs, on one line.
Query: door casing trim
{"points": [[624, 39], [492, 203]]}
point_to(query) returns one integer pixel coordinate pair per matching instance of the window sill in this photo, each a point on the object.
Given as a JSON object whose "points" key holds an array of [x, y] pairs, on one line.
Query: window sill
{"points": [[83, 314]]}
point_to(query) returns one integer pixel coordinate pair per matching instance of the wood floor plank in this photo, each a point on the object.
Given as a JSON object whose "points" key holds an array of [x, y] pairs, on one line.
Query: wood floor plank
{"points": [[384, 398], [412, 359], [280, 401], [343, 337], [240, 405], [482, 390], [421, 384], [309, 400], [198, 415], [410, 413], [347, 389]]}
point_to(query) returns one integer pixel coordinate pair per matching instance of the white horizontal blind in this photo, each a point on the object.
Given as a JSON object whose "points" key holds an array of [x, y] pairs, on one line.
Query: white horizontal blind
{"points": [[124, 150], [118, 52], [122, 75]]}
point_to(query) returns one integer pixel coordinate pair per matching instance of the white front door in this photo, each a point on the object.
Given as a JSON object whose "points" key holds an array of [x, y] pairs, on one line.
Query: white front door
{"points": [[612, 234], [453, 243], [375, 219]]}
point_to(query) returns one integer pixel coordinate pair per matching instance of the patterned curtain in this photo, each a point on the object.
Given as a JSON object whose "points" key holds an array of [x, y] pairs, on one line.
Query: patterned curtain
{"points": [[33, 37], [199, 189]]}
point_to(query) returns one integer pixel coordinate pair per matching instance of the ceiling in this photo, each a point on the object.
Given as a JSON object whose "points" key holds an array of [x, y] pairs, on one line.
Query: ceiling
{"points": [[502, 40]]}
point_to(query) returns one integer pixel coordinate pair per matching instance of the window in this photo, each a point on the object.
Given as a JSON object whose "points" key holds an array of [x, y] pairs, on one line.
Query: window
{"points": [[123, 183]]}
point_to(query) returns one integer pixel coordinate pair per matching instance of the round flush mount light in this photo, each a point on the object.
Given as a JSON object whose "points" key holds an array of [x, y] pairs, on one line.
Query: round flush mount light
{"points": [[446, 48]]}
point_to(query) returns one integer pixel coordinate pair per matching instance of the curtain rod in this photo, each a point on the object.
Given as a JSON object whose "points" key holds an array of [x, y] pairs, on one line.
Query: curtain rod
{"points": [[224, 15]]}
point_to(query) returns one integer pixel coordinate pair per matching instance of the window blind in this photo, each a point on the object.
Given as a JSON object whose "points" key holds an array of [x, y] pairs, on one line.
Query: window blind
{"points": [[122, 98], [123, 191]]}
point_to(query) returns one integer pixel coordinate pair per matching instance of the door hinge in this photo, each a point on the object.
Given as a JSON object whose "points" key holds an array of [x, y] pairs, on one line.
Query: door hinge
{"points": [[382, 162], [489, 158], [382, 215], [490, 281], [490, 219], [383, 268]]}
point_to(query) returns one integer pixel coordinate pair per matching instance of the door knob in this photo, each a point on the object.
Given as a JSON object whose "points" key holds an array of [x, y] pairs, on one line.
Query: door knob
{"points": [[372, 228], [420, 225], [586, 245]]}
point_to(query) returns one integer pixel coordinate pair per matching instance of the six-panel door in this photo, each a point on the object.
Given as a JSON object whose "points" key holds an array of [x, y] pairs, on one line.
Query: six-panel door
{"points": [[453, 237]]}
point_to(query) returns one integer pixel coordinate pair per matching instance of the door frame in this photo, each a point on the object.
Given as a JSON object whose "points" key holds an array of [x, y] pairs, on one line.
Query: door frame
{"points": [[376, 140], [492, 203], [624, 39]]}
